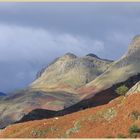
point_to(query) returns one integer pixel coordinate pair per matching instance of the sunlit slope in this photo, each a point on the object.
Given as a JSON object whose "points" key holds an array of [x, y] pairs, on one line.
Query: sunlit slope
{"points": [[112, 120], [135, 89], [15, 106], [128, 65], [54, 87], [70, 72]]}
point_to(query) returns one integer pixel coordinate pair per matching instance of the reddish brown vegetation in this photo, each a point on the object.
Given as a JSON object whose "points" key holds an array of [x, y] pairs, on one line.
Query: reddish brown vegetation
{"points": [[111, 120]]}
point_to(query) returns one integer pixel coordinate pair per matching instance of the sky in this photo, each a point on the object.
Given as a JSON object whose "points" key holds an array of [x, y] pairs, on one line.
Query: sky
{"points": [[33, 34]]}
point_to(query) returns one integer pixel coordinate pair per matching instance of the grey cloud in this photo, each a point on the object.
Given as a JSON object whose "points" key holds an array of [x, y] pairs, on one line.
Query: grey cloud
{"points": [[35, 44], [33, 34], [72, 17], [24, 51]]}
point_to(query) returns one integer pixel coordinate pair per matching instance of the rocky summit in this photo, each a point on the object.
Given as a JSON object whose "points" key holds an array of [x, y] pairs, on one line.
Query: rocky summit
{"points": [[69, 72]]}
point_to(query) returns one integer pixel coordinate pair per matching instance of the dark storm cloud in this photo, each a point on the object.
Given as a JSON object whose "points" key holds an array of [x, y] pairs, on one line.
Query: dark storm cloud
{"points": [[33, 34], [72, 17], [25, 50]]}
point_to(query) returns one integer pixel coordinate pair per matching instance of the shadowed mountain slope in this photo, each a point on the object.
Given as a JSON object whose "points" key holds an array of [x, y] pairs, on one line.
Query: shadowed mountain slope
{"points": [[99, 99]]}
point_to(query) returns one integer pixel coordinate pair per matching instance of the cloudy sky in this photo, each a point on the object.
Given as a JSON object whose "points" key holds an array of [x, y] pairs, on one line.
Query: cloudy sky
{"points": [[33, 34]]}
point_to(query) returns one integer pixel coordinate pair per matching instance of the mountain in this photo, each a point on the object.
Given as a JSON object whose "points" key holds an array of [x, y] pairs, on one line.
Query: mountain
{"points": [[54, 88], [69, 72], [2, 94], [92, 55], [119, 71], [120, 118], [17, 105], [72, 83]]}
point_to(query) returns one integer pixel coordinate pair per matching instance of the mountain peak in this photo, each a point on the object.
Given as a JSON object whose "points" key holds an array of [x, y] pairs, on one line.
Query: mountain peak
{"points": [[136, 38], [133, 49], [135, 41], [71, 55], [92, 55], [68, 56], [134, 45], [70, 71]]}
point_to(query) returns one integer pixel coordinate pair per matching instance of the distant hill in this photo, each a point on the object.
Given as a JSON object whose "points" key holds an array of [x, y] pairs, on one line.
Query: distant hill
{"points": [[2, 94]]}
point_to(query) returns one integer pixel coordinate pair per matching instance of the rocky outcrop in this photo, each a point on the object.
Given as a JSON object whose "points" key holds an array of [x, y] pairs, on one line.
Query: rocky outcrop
{"points": [[135, 89]]}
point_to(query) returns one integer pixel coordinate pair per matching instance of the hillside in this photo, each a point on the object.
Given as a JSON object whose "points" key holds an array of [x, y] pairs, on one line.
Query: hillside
{"points": [[115, 119], [72, 83], [119, 71], [15, 106], [69, 72], [54, 87]]}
